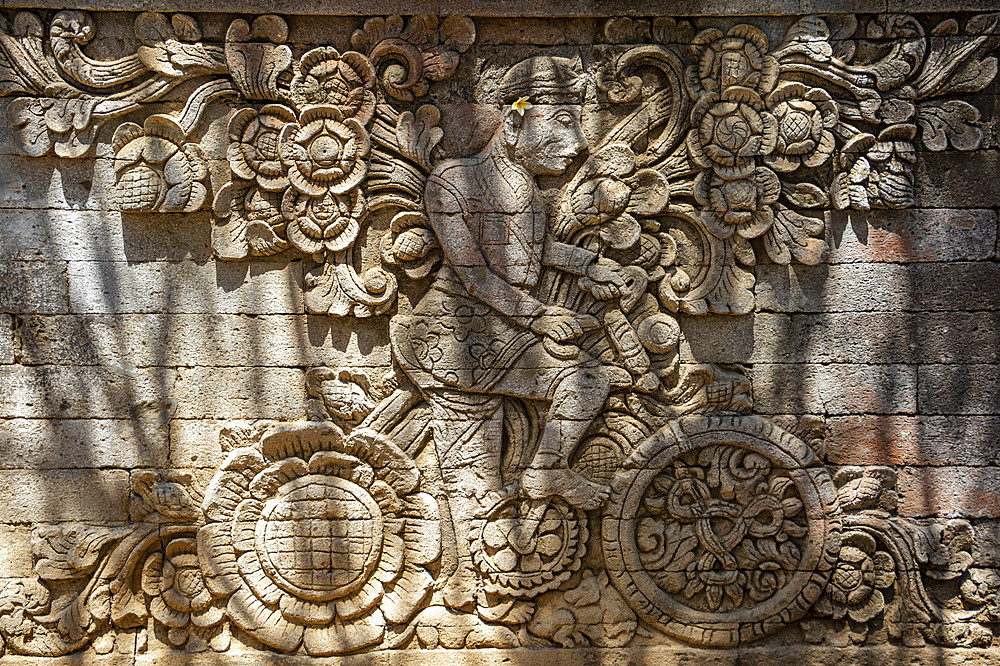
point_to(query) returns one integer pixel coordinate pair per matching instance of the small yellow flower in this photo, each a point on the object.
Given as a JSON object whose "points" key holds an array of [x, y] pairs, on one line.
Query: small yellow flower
{"points": [[521, 105]]}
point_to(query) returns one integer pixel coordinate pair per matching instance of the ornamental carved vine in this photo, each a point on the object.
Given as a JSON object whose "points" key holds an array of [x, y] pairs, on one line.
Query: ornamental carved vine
{"points": [[539, 467]]}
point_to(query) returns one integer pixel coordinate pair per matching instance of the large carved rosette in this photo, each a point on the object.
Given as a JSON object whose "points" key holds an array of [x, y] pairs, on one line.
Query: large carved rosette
{"points": [[318, 540], [721, 530]]}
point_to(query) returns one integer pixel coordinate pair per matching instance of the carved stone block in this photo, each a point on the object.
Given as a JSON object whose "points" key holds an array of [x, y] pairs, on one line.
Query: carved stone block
{"points": [[645, 336]]}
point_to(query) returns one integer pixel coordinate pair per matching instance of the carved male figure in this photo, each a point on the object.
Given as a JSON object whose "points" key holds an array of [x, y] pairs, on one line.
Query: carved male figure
{"points": [[480, 333]]}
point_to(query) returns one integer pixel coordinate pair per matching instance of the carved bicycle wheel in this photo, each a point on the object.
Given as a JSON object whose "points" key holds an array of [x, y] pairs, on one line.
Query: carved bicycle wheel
{"points": [[523, 548], [721, 529]]}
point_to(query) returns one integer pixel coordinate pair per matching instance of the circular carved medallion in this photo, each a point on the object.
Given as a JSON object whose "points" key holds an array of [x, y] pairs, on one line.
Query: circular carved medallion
{"points": [[721, 530], [320, 538]]}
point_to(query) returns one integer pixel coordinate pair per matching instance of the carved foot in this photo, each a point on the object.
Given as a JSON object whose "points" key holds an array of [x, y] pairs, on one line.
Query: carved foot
{"points": [[460, 590], [540, 484]]}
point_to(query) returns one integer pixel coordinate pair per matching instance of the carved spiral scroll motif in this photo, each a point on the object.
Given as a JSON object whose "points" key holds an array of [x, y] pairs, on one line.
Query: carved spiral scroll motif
{"points": [[721, 530]]}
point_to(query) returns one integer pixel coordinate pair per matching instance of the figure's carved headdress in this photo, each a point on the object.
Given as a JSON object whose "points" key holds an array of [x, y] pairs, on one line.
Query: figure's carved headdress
{"points": [[544, 80]]}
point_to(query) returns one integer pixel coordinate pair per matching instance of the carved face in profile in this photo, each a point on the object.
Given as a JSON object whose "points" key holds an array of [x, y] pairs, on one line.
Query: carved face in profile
{"points": [[547, 138]]}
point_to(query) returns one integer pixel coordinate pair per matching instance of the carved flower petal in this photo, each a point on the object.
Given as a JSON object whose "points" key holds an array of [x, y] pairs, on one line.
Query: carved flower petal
{"points": [[423, 533], [696, 151], [823, 605], [782, 163], [176, 600], [714, 222], [353, 605], [201, 601], [152, 574], [760, 222], [391, 562], [208, 617], [341, 637], [257, 579], [872, 606], [238, 162], [239, 123], [274, 475], [266, 624], [622, 233], [228, 487], [218, 559], [303, 184], [300, 239], [157, 150], [404, 597], [823, 151], [276, 116], [303, 611], [344, 238], [885, 569], [167, 615], [275, 183], [244, 525]]}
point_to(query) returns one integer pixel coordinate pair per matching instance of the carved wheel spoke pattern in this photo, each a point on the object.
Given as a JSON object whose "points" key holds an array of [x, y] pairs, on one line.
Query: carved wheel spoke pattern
{"points": [[721, 530]]}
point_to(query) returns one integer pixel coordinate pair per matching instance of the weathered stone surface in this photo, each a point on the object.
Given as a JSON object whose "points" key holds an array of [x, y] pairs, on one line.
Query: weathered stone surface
{"points": [[953, 491], [959, 389], [15, 555], [54, 496], [837, 388], [111, 391], [656, 339], [959, 234], [958, 180], [141, 441], [913, 440], [872, 287], [200, 339], [33, 286], [86, 235], [240, 393], [844, 337], [6, 339], [162, 287]]}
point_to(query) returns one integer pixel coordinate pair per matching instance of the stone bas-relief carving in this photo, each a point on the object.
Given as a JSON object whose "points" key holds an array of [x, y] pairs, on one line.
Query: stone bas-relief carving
{"points": [[538, 468]]}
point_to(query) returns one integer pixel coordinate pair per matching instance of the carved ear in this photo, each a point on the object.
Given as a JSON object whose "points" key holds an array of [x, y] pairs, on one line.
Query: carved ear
{"points": [[511, 125]]}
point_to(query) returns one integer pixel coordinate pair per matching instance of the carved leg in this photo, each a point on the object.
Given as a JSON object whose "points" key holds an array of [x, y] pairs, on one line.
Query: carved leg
{"points": [[577, 391], [468, 431]]}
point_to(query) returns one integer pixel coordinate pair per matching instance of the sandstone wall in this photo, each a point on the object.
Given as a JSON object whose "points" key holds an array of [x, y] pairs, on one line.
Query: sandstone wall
{"points": [[134, 359]]}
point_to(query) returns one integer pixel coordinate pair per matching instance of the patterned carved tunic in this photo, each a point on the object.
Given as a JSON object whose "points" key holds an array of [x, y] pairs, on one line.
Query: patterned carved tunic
{"points": [[472, 325]]}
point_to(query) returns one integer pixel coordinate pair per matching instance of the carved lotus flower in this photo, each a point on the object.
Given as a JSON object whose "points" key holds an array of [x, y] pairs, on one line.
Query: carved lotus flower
{"points": [[862, 572], [254, 222], [253, 148], [323, 153], [805, 118], [179, 598], [155, 170], [318, 540], [729, 132], [737, 58], [345, 82], [327, 223], [742, 206]]}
